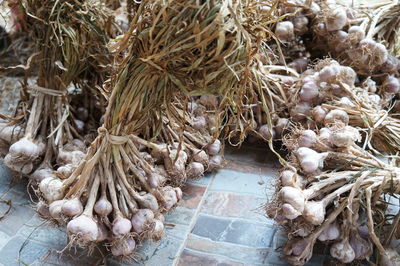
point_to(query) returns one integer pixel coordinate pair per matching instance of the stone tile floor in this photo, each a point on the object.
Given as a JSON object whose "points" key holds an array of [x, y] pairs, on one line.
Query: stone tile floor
{"points": [[219, 222]]}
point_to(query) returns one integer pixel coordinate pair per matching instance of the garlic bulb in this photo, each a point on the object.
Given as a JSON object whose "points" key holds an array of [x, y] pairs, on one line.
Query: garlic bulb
{"points": [[343, 251], [284, 30]]}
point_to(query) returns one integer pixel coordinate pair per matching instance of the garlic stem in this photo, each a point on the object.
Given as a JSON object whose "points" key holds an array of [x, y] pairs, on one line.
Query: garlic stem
{"points": [[92, 198]]}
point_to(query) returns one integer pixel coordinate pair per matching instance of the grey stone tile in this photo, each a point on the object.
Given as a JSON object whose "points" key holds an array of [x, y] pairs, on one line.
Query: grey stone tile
{"points": [[36, 220], [233, 181], [176, 231], [16, 218], [195, 258], [51, 236], [232, 205], [4, 238], [204, 181], [234, 231], [73, 257], [180, 215], [276, 258], [246, 255], [165, 253], [18, 198], [10, 182], [279, 240], [18, 249], [6, 177], [192, 196]]}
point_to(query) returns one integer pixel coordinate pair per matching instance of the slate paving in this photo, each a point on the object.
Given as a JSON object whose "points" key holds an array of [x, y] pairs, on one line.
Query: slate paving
{"points": [[220, 221]]}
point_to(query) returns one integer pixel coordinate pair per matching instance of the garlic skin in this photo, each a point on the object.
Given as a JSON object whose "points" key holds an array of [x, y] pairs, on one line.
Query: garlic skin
{"points": [[66, 170], [299, 64], [300, 111], [214, 148], [391, 85], [142, 220], [314, 212], [103, 207], [169, 197], [325, 135], [336, 116], [72, 207], [103, 233], [391, 258], [372, 53], [336, 19], [55, 209], [51, 189], [155, 180], [347, 75], [310, 160], [300, 23], [332, 232], [121, 226], [266, 133], [308, 138], [41, 174], [287, 178], [23, 168], [25, 148], [194, 170], [309, 91], [319, 114], [294, 197], [199, 123], [289, 211], [123, 247], [346, 102], [202, 157], [148, 201], [216, 162], [345, 137], [362, 248], [157, 232], [343, 251], [355, 34], [328, 73], [284, 30], [43, 209], [281, 125], [84, 228], [179, 193]]}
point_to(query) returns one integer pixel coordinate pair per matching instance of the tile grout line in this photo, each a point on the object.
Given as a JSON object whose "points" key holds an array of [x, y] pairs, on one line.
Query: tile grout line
{"points": [[193, 222]]}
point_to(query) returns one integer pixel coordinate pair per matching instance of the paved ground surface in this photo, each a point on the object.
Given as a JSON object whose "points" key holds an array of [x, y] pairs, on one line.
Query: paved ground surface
{"points": [[219, 222]]}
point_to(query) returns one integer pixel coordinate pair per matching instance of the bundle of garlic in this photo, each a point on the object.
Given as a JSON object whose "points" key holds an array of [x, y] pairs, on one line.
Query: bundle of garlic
{"points": [[348, 36], [322, 188], [292, 33], [254, 109], [383, 25], [345, 34], [328, 177], [329, 92], [154, 134], [72, 58]]}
